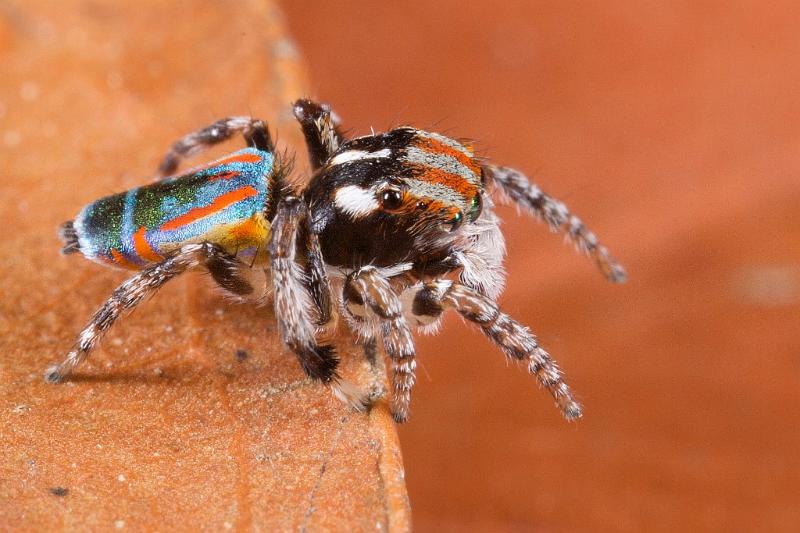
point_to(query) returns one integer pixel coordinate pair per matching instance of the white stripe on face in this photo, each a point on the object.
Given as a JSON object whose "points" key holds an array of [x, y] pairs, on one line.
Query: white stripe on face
{"points": [[355, 201], [358, 155]]}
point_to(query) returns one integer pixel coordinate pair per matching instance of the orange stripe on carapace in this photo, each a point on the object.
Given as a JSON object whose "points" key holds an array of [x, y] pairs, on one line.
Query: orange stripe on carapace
{"points": [[239, 158], [436, 147], [122, 261], [453, 181], [143, 248], [219, 203]]}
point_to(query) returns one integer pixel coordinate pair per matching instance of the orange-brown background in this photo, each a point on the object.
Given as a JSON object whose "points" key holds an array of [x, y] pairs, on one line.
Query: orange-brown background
{"points": [[673, 129]]}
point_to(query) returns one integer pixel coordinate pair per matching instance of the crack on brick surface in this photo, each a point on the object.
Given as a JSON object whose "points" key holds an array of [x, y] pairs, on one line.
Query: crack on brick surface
{"points": [[322, 470]]}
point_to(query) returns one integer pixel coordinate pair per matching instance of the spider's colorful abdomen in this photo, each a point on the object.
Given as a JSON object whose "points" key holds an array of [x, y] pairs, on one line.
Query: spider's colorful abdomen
{"points": [[222, 203]]}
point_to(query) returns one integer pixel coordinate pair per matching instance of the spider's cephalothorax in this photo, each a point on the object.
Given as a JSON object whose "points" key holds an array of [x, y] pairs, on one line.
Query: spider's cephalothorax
{"points": [[377, 236], [394, 197]]}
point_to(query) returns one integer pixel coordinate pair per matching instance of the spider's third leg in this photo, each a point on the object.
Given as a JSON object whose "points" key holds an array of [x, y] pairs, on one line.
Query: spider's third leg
{"points": [[127, 296], [367, 287], [255, 133], [514, 339], [516, 186]]}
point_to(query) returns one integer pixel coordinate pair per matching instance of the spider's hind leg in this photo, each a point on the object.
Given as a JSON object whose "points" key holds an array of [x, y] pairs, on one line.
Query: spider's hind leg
{"points": [[255, 132], [127, 296], [229, 273]]}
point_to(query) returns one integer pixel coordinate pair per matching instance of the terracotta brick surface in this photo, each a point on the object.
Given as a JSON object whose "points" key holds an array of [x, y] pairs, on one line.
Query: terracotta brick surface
{"points": [[673, 129], [166, 428]]}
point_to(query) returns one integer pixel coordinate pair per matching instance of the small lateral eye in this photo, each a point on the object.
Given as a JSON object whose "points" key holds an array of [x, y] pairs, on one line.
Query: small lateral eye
{"points": [[391, 199], [475, 208]]}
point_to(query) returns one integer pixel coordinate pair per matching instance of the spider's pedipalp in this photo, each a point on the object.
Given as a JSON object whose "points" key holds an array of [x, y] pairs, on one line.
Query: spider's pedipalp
{"points": [[515, 185]]}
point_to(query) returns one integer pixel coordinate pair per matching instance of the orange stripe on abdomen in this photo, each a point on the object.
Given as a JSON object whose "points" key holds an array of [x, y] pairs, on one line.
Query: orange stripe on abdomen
{"points": [[239, 158], [143, 248], [122, 261], [219, 203], [223, 176]]}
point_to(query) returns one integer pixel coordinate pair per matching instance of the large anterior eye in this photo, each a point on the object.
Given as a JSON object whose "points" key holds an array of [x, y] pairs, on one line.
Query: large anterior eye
{"points": [[391, 199]]}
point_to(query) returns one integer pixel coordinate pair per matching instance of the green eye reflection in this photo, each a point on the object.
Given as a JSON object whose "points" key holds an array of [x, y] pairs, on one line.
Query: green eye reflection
{"points": [[475, 208], [456, 221]]}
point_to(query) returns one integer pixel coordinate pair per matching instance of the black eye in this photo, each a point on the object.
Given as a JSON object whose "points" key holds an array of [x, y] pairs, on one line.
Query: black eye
{"points": [[391, 199]]}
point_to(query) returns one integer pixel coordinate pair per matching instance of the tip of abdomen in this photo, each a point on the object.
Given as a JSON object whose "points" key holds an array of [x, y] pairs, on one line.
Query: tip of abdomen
{"points": [[69, 238]]}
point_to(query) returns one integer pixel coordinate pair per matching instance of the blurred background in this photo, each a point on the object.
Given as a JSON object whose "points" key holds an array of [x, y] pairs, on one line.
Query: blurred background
{"points": [[673, 130]]}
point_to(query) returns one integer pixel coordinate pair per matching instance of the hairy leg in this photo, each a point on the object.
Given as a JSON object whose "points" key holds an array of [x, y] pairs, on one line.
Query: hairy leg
{"points": [[229, 273], [516, 186], [127, 296], [514, 339], [294, 307], [321, 129], [255, 133], [381, 305]]}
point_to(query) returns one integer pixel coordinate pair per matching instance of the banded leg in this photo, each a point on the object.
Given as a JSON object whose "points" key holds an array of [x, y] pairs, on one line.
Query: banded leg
{"points": [[255, 133], [366, 287], [517, 187], [127, 296], [514, 339], [321, 129]]}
